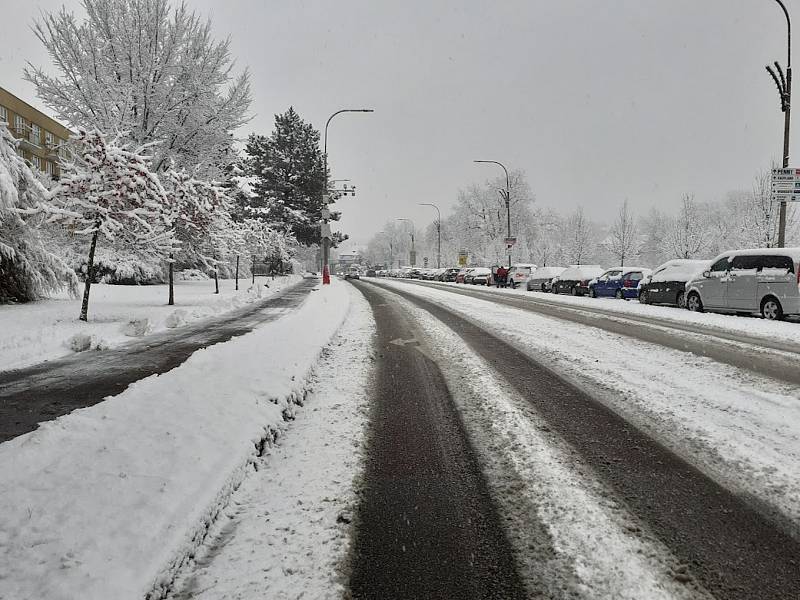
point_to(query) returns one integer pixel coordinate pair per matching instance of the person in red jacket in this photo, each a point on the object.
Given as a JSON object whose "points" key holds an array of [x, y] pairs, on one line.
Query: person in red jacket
{"points": [[500, 277]]}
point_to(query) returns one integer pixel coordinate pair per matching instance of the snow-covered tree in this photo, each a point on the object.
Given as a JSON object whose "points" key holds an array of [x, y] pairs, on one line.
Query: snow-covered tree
{"points": [[199, 213], [109, 191], [622, 240], [28, 269], [149, 70], [577, 237], [287, 171], [687, 234]]}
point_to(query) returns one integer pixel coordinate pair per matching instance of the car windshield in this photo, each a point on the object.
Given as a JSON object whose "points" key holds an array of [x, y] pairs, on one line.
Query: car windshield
{"points": [[401, 300]]}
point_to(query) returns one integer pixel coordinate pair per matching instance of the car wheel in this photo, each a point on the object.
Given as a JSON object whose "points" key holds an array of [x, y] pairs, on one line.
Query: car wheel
{"points": [[681, 300], [643, 297], [694, 303], [592, 293], [619, 295], [771, 309]]}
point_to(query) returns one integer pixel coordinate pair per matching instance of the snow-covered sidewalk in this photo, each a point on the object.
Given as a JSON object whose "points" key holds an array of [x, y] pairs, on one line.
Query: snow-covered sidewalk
{"points": [[286, 532], [110, 501], [48, 329]]}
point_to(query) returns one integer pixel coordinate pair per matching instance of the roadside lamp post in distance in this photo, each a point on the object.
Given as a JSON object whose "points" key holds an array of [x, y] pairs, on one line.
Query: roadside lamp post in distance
{"points": [[326, 240], [438, 233], [507, 197]]}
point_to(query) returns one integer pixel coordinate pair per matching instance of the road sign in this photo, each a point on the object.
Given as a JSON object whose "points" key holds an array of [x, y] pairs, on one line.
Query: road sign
{"points": [[463, 257], [326, 231], [326, 214], [786, 185], [510, 241], [413, 257], [425, 261]]}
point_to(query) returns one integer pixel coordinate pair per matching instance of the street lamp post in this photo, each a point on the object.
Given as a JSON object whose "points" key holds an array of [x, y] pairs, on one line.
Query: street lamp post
{"points": [[507, 197], [413, 254], [391, 249], [438, 233], [326, 240], [785, 92]]}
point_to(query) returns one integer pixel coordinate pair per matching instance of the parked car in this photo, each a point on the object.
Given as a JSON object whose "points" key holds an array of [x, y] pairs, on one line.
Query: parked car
{"points": [[480, 276], [575, 279], [519, 274], [540, 280], [461, 277], [371, 273], [667, 284], [619, 282], [449, 274], [761, 280]]}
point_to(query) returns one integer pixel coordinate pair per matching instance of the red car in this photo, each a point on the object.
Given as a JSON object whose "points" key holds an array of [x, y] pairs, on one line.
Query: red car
{"points": [[461, 275]]}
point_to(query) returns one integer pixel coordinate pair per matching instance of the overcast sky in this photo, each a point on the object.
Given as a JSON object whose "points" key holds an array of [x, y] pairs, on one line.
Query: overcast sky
{"points": [[596, 101]]}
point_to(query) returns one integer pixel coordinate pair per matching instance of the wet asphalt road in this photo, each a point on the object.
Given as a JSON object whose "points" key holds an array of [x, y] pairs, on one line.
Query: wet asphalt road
{"points": [[777, 359], [426, 525], [722, 542], [46, 391]]}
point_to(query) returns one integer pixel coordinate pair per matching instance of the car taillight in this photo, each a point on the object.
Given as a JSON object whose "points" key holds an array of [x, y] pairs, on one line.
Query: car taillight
{"points": [[627, 283]]}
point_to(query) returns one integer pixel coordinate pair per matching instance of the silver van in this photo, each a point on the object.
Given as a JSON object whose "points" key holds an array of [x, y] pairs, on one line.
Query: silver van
{"points": [[763, 280]]}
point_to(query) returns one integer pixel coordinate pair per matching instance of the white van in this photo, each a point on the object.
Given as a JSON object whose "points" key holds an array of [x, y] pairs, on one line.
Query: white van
{"points": [[519, 274], [761, 280]]}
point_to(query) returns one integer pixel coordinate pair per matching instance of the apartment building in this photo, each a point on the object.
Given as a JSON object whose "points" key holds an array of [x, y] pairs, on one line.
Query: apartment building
{"points": [[41, 137]]}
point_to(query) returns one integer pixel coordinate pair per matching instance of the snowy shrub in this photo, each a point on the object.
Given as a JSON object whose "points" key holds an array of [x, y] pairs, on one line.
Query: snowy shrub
{"points": [[28, 269], [136, 327], [80, 342], [176, 319]]}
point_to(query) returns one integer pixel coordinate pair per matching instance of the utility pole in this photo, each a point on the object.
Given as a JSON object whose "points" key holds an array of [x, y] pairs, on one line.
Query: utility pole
{"points": [[391, 249], [324, 227], [784, 85], [438, 233], [507, 197]]}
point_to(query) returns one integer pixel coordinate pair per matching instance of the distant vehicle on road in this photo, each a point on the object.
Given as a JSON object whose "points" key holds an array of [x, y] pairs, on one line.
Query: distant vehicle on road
{"points": [[667, 283], [619, 282], [760, 280], [574, 280], [541, 279], [352, 274], [371, 273]]}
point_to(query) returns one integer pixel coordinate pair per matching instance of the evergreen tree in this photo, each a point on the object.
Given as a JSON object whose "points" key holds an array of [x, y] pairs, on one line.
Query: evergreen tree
{"points": [[288, 179]]}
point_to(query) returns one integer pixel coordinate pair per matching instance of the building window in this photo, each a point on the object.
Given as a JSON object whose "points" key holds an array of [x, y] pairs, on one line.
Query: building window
{"points": [[48, 139], [37, 162], [49, 168], [36, 134], [19, 125], [3, 114]]}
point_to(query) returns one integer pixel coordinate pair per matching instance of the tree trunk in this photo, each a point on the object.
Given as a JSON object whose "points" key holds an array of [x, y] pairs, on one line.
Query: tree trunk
{"points": [[89, 276], [216, 281], [237, 272], [253, 270], [171, 283]]}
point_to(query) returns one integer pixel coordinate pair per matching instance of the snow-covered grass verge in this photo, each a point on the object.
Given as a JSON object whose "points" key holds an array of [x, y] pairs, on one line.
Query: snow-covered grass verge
{"points": [[286, 530], [48, 329], [109, 501], [740, 428], [751, 326], [601, 551]]}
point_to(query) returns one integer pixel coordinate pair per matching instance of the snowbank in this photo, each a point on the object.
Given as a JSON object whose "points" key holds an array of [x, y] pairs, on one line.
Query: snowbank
{"points": [[107, 502], [49, 329]]}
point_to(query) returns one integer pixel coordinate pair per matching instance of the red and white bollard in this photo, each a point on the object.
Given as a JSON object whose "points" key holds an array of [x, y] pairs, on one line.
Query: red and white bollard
{"points": [[326, 275]]}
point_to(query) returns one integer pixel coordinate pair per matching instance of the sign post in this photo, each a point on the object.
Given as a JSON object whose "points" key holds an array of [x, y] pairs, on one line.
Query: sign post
{"points": [[510, 241]]}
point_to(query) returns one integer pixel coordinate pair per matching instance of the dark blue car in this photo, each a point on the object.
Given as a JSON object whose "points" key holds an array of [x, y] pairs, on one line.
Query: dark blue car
{"points": [[619, 282]]}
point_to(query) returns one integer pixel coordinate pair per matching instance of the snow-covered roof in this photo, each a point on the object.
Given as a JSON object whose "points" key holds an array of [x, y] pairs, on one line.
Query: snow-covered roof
{"points": [[547, 272], [582, 272], [794, 253]]}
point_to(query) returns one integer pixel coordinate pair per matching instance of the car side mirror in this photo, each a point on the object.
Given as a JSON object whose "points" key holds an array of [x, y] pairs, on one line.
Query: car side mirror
{"points": [[706, 274]]}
